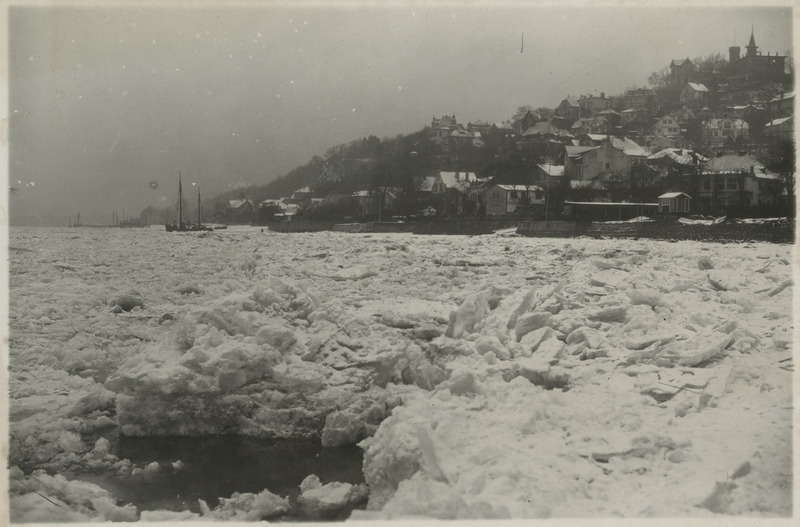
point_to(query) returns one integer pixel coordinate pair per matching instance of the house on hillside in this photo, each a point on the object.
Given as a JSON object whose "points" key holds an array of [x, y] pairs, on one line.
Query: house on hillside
{"points": [[781, 106], [641, 99], [239, 211], [449, 189], [482, 127], [736, 180], [501, 139], [694, 93], [500, 200], [529, 119], [459, 140], [782, 128], [543, 140], [599, 124], [301, 196], [275, 210], [546, 130], [716, 132], [754, 67], [440, 129], [569, 110], [680, 71], [634, 115], [667, 126], [747, 112], [591, 105], [613, 158]]}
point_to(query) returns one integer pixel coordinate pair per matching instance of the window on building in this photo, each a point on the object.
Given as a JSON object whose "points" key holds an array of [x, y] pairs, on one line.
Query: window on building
{"points": [[608, 165], [732, 183]]}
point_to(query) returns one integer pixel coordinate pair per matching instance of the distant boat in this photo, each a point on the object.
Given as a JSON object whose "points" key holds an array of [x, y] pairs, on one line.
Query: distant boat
{"points": [[180, 225]]}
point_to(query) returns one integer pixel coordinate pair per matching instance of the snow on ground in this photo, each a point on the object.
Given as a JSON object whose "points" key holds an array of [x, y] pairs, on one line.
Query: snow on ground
{"points": [[486, 376]]}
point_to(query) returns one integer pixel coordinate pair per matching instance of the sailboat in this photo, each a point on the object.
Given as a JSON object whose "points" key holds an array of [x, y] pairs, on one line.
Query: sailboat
{"points": [[182, 226]]}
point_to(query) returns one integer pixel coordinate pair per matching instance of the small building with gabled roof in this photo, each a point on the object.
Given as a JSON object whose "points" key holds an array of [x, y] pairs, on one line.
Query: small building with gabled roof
{"points": [[694, 93], [674, 202]]}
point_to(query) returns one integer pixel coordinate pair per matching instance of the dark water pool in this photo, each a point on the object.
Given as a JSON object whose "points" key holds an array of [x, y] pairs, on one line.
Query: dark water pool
{"points": [[218, 466]]}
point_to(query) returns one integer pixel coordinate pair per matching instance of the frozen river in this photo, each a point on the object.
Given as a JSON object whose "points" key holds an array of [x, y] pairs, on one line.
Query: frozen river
{"points": [[483, 377]]}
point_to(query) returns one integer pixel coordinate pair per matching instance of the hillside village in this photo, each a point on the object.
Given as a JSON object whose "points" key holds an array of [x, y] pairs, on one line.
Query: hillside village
{"points": [[709, 136]]}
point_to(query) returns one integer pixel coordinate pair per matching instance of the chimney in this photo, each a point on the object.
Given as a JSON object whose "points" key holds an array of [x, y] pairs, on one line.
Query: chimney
{"points": [[602, 95], [734, 52]]}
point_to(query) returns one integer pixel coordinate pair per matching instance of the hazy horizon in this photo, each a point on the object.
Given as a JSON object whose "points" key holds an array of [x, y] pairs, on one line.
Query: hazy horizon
{"points": [[104, 101]]}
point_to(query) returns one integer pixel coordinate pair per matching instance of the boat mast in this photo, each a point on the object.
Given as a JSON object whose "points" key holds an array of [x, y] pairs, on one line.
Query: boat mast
{"points": [[199, 217], [180, 200]]}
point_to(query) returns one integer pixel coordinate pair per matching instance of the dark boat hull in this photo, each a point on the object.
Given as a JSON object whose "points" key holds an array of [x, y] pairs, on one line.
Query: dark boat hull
{"points": [[171, 227]]}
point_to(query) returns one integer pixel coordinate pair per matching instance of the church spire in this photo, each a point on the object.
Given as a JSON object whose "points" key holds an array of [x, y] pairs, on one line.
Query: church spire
{"points": [[751, 47]]}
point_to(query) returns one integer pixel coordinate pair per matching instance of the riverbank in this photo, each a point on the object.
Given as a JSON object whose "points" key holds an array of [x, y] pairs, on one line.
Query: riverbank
{"points": [[774, 230]]}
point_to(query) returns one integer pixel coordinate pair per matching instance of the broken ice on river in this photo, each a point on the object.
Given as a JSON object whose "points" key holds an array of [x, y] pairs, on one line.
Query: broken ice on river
{"points": [[444, 377]]}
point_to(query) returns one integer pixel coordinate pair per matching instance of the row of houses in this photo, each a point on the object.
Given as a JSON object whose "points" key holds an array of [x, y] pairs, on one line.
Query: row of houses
{"points": [[734, 179]]}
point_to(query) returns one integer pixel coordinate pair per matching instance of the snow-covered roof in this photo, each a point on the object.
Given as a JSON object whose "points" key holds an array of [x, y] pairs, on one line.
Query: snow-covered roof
{"points": [[577, 151], [696, 86], [463, 133], [427, 184], [628, 146], [762, 173], [236, 203], [520, 188], [776, 122], [732, 163], [361, 194], [611, 203], [735, 123], [670, 195], [541, 128], [580, 122], [596, 137], [578, 184], [679, 155], [461, 182], [552, 170], [782, 97]]}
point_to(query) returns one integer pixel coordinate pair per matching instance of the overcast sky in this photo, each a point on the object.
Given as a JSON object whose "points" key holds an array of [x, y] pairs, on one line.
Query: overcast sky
{"points": [[104, 101]]}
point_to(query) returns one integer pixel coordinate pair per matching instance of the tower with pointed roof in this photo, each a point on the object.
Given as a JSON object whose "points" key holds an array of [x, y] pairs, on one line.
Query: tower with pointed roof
{"points": [[752, 49], [755, 67]]}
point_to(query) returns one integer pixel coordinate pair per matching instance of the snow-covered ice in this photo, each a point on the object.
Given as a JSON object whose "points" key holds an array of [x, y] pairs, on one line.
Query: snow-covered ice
{"points": [[484, 376]]}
